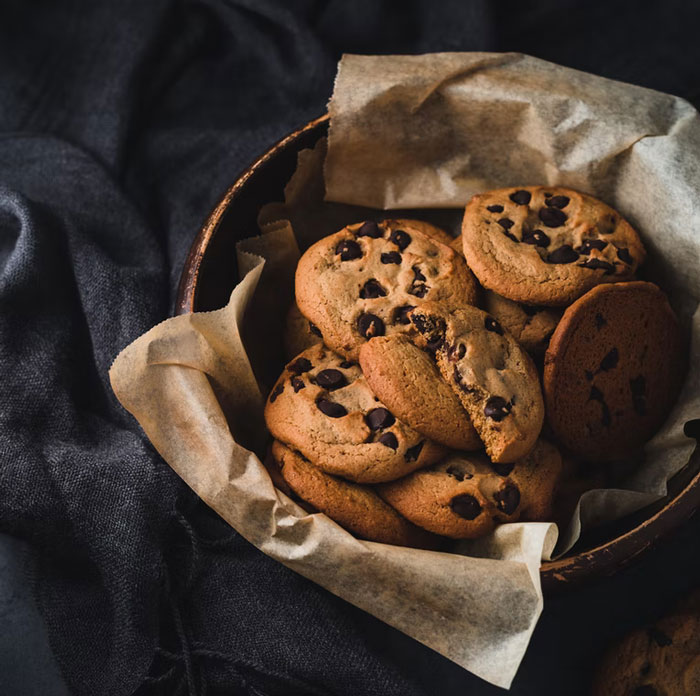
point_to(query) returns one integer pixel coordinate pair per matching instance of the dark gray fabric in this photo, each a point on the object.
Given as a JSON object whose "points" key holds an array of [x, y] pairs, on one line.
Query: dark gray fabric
{"points": [[121, 124]]}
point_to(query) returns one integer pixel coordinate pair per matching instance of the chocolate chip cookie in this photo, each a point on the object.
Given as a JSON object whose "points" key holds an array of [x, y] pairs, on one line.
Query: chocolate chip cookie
{"points": [[662, 660], [491, 374], [353, 506], [407, 380], [530, 326], [547, 245], [613, 370], [323, 407], [362, 281], [466, 496], [299, 333]]}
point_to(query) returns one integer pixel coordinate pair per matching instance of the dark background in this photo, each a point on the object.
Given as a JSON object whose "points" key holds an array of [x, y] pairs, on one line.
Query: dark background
{"points": [[121, 124]]}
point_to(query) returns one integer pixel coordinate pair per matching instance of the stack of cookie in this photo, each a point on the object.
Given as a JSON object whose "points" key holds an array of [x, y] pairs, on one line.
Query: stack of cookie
{"points": [[409, 413]]}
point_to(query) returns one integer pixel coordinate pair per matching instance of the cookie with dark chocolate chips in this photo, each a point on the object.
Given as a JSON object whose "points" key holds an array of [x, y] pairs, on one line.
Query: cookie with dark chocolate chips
{"points": [[613, 370], [658, 660], [323, 407], [360, 282], [465, 496], [407, 380], [491, 374], [547, 245], [354, 506]]}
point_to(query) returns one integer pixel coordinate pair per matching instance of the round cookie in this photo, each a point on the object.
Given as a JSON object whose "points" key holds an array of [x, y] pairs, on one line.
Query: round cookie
{"points": [[407, 380], [613, 370], [662, 660], [323, 407], [530, 326], [466, 496], [362, 281], [299, 333], [491, 374], [353, 506], [547, 245]]}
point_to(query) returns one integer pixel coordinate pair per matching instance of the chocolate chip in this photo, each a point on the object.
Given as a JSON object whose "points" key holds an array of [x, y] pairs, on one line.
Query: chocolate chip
{"points": [[659, 637], [645, 669], [390, 257], [494, 208], [458, 472], [276, 392], [297, 383], [600, 321], [624, 255], [370, 229], [497, 408], [433, 328], [379, 418], [492, 325], [552, 217], [372, 289], [466, 506], [520, 197], [412, 453], [591, 243], [598, 265], [456, 352], [331, 379], [609, 362], [315, 330], [564, 254], [300, 365], [536, 237], [645, 690], [330, 408], [508, 499], [557, 201], [389, 440], [348, 250], [420, 290], [501, 468], [401, 314], [638, 385], [417, 273], [506, 223], [597, 395], [400, 238], [531, 311], [370, 325], [346, 364]]}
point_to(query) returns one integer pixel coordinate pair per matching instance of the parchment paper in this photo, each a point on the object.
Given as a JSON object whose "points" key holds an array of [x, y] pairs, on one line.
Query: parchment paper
{"points": [[425, 131]]}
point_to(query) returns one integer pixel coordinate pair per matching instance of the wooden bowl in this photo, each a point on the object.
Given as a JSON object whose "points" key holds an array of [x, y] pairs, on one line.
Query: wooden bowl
{"points": [[209, 275]]}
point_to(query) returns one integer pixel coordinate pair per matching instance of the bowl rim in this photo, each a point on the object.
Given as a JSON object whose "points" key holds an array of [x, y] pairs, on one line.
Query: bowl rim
{"points": [[604, 559]]}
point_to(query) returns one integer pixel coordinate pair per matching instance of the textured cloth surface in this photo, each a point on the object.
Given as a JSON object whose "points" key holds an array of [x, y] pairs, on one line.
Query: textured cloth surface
{"points": [[122, 124]]}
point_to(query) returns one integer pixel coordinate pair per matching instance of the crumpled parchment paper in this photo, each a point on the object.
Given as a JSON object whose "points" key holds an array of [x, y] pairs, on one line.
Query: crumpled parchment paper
{"points": [[425, 132]]}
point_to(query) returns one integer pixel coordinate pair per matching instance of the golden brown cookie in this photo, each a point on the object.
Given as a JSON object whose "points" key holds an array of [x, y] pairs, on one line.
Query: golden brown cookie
{"points": [[407, 380], [661, 660], [530, 326], [613, 370], [353, 506], [362, 281], [323, 407], [465, 496], [491, 374], [547, 245], [299, 333]]}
